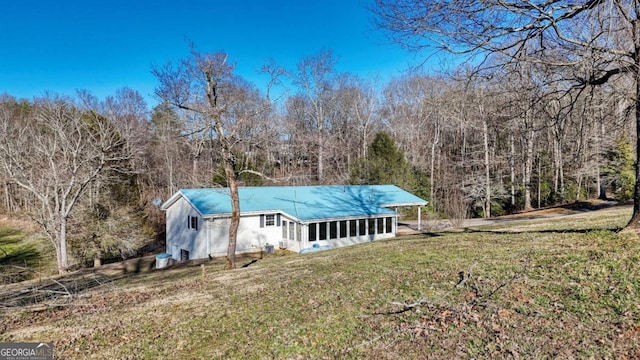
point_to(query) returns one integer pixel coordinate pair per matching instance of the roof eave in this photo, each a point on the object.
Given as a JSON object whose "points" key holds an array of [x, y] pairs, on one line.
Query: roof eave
{"points": [[350, 217], [244, 213], [171, 200], [416, 203]]}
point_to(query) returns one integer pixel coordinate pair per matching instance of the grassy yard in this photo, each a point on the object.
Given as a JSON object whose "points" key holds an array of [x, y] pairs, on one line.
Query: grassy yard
{"points": [[22, 249], [564, 287]]}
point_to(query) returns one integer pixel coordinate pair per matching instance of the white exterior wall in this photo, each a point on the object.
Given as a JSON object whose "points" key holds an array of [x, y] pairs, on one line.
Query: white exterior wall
{"points": [[251, 237], [212, 236], [179, 236]]}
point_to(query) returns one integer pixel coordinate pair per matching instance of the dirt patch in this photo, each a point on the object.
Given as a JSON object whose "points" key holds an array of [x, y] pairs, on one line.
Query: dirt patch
{"points": [[12, 223]]}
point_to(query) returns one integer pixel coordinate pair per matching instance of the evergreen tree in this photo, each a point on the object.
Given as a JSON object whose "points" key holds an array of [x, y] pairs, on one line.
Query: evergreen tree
{"points": [[620, 170], [385, 163]]}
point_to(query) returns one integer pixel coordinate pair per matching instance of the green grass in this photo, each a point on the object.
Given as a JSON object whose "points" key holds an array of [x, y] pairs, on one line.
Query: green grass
{"points": [[552, 288], [19, 250]]}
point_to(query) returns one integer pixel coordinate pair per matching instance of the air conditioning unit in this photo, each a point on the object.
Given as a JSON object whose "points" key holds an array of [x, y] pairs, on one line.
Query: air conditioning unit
{"points": [[283, 244]]}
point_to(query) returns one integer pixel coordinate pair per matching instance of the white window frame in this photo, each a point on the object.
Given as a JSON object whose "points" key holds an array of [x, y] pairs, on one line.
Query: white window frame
{"points": [[192, 222], [270, 220]]}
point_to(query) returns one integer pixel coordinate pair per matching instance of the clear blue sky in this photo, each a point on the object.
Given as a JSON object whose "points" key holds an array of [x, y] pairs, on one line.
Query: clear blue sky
{"points": [[101, 46]]}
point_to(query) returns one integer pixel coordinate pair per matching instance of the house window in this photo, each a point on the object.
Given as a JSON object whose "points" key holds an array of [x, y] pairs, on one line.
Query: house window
{"points": [[284, 229], [299, 232], [323, 230], [362, 227], [343, 229], [312, 231], [372, 226], [192, 222], [333, 230], [353, 228], [292, 231], [184, 255], [389, 224], [270, 220], [380, 225]]}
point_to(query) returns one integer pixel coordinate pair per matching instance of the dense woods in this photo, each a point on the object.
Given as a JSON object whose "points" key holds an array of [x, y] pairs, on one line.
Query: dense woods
{"points": [[567, 57], [493, 136]]}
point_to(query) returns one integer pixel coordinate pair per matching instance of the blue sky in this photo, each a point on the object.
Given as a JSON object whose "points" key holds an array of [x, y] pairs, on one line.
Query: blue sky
{"points": [[101, 46]]}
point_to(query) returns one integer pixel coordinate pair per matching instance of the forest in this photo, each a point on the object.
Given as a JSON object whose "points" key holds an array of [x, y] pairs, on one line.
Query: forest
{"points": [[490, 137]]}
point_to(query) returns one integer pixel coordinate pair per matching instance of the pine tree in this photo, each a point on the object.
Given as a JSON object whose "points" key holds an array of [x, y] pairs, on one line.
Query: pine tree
{"points": [[385, 164]]}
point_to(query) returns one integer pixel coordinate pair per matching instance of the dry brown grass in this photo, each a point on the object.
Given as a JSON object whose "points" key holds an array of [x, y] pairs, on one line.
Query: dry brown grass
{"points": [[541, 288]]}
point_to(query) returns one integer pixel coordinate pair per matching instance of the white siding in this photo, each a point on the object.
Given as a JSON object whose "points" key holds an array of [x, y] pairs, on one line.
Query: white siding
{"points": [[179, 236], [212, 236], [251, 237]]}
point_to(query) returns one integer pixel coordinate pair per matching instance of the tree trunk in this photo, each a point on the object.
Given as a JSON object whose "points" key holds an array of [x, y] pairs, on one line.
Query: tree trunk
{"points": [[528, 167], [487, 196], [63, 260], [556, 168], [539, 182], [320, 158], [634, 223], [512, 170], [235, 211], [434, 143], [602, 194], [364, 142], [97, 262], [56, 243], [7, 198], [561, 174], [169, 162]]}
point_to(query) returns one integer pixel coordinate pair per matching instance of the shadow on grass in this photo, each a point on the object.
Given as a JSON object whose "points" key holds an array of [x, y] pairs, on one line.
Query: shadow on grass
{"points": [[139, 265], [13, 249], [16, 252], [250, 263], [470, 230], [26, 254], [416, 234], [431, 234]]}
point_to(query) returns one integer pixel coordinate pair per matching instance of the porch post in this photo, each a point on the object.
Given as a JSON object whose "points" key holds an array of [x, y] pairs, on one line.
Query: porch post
{"points": [[419, 218]]}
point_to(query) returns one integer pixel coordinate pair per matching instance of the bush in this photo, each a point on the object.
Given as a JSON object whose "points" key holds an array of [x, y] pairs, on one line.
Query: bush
{"points": [[619, 172]]}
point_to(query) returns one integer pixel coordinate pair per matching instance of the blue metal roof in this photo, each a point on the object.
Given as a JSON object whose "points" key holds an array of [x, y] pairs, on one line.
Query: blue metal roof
{"points": [[305, 203]]}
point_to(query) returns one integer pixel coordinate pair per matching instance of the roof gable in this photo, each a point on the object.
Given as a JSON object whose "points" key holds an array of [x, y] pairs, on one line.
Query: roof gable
{"points": [[302, 202]]}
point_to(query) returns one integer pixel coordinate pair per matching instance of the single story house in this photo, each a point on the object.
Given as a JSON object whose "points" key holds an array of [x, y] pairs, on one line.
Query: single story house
{"points": [[289, 217]]}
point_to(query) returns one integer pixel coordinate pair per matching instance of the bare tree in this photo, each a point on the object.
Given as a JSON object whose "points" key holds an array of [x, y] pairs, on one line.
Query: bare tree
{"points": [[419, 115], [204, 87], [315, 79], [55, 156], [166, 148], [597, 39]]}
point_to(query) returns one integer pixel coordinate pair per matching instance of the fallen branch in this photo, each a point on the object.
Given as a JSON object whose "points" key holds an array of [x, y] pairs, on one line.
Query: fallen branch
{"points": [[62, 291], [464, 277], [481, 299], [405, 307]]}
